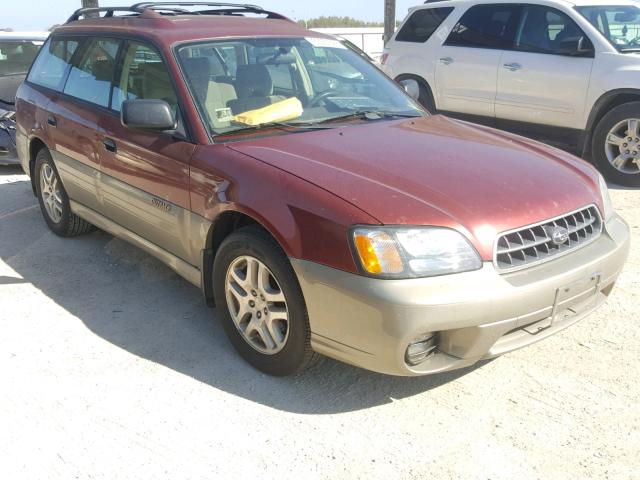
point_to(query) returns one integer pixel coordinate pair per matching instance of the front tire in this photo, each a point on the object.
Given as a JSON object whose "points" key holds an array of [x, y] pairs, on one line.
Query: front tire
{"points": [[261, 304], [616, 145], [54, 201]]}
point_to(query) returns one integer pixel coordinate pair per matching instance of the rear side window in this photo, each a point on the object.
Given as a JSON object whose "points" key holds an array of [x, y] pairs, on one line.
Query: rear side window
{"points": [[421, 24], [92, 74], [51, 65], [486, 26]]}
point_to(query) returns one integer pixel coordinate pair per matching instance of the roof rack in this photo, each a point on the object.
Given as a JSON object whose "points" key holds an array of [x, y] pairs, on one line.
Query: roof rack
{"points": [[176, 8]]}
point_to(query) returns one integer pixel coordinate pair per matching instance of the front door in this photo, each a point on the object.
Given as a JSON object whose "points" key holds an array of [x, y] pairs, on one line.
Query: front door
{"points": [[538, 81], [145, 175]]}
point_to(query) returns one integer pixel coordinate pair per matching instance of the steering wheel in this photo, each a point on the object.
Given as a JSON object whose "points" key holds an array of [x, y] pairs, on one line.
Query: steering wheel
{"points": [[315, 101], [634, 42]]}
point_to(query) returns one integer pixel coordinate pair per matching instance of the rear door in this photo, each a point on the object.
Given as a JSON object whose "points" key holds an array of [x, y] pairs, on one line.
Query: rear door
{"points": [[145, 175], [467, 63], [74, 116], [537, 83]]}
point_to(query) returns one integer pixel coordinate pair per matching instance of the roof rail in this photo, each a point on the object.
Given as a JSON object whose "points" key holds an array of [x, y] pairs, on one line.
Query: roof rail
{"points": [[108, 12], [220, 8], [176, 8]]}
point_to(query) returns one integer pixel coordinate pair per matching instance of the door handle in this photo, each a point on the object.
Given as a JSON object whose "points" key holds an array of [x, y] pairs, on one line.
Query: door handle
{"points": [[52, 121], [446, 60], [110, 145], [512, 66]]}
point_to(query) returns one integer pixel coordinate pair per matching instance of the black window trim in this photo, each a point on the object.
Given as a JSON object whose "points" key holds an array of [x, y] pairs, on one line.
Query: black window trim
{"points": [[518, 7], [125, 39], [512, 47]]}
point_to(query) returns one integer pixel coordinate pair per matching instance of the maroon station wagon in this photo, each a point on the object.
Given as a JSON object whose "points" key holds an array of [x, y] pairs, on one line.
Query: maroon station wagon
{"points": [[313, 201]]}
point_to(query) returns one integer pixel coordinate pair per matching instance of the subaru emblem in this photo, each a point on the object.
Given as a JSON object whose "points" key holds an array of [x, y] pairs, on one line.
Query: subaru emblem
{"points": [[559, 235]]}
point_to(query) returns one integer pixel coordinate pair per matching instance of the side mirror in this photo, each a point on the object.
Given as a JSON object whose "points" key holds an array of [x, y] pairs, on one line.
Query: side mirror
{"points": [[153, 115], [576, 47], [412, 88]]}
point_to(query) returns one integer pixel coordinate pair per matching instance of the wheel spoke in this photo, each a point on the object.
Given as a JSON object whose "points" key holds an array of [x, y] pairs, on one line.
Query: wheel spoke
{"points": [[278, 313], [252, 272], [632, 125], [619, 162], [265, 335], [271, 294], [613, 139]]}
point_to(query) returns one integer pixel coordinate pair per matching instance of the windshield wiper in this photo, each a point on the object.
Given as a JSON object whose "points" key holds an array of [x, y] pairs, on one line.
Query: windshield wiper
{"points": [[370, 115], [630, 50], [6, 102], [282, 125]]}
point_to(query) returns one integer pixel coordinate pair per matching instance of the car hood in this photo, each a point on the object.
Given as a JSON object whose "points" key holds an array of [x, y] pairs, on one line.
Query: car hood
{"points": [[436, 171]]}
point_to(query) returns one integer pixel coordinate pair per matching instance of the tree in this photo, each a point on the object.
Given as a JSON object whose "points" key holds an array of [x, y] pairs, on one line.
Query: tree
{"points": [[338, 22], [389, 19]]}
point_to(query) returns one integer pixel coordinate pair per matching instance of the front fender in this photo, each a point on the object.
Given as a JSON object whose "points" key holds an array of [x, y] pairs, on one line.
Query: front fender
{"points": [[308, 222]]}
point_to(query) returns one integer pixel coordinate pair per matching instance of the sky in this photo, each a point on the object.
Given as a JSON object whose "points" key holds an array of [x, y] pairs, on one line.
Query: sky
{"points": [[42, 14]]}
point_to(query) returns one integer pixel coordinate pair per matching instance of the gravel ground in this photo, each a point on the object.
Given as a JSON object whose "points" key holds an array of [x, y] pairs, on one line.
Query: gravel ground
{"points": [[112, 367]]}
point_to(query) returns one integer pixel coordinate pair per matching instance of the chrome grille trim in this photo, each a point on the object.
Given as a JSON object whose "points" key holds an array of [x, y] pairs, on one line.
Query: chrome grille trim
{"points": [[531, 245]]}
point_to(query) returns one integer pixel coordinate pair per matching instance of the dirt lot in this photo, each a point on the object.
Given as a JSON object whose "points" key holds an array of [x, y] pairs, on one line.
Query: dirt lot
{"points": [[112, 367]]}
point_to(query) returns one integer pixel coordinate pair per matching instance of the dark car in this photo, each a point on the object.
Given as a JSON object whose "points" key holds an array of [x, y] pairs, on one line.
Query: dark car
{"points": [[17, 51], [321, 210]]}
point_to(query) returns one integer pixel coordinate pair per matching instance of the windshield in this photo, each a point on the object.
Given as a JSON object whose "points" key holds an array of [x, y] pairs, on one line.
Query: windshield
{"points": [[246, 83], [620, 24], [16, 55]]}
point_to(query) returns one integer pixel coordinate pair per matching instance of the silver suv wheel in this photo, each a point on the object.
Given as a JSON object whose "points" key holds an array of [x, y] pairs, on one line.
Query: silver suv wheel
{"points": [[257, 305], [623, 146]]}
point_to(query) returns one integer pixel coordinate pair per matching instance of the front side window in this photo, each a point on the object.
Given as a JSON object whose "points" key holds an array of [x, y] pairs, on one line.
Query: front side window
{"points": [[144, 76], [50, 67], [544, 30], [486, 26], [92, 74], [296, 80], [422, 23], [620, 25]]}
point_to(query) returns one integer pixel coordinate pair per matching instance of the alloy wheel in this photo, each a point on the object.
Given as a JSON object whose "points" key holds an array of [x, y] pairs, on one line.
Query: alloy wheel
{"points": [[257, 305], [623, 146], [50, 192]]}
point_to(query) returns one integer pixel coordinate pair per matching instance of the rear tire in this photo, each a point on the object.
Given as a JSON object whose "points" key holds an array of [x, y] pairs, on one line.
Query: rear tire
{"points": [[616, 145], [266, 320], [54, 201]]}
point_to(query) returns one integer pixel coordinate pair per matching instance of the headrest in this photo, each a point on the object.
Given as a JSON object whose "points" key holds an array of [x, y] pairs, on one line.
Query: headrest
{"points": [[253, 81]]}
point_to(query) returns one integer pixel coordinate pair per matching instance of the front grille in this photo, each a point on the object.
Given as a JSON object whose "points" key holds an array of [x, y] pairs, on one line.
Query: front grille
{"points": [[533, 244]]}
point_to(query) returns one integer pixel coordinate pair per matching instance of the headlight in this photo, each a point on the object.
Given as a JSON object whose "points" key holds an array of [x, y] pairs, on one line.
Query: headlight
{"points": [[414, 252], [606, 199]]}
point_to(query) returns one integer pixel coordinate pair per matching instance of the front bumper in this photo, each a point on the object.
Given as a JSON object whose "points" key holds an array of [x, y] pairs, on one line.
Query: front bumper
{"points": [[476, 315]]}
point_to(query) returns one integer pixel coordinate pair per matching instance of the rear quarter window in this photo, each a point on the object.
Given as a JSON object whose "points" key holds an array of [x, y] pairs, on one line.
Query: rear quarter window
{"points": [[422, 23], [51, 66]]}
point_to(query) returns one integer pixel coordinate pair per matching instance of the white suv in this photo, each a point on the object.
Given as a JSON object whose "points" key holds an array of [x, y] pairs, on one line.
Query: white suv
{"points": [[565, 72]]}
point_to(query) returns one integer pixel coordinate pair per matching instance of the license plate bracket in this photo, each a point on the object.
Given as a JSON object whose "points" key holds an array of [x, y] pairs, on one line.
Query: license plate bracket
{"points": [[567, 296]]}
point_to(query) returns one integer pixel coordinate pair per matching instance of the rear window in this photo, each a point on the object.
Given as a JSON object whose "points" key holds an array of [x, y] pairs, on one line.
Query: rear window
{"points": [[51, 65], [421, 24], [486, 26], [92, 75]]}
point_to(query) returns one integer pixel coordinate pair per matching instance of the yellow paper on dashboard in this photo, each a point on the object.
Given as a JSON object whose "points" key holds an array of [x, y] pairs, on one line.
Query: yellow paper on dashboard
{"points": [[283, 111]]}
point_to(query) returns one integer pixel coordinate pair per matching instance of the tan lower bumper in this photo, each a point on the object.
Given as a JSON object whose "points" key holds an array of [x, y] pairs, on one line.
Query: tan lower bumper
{"points": [[370, 322]]}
